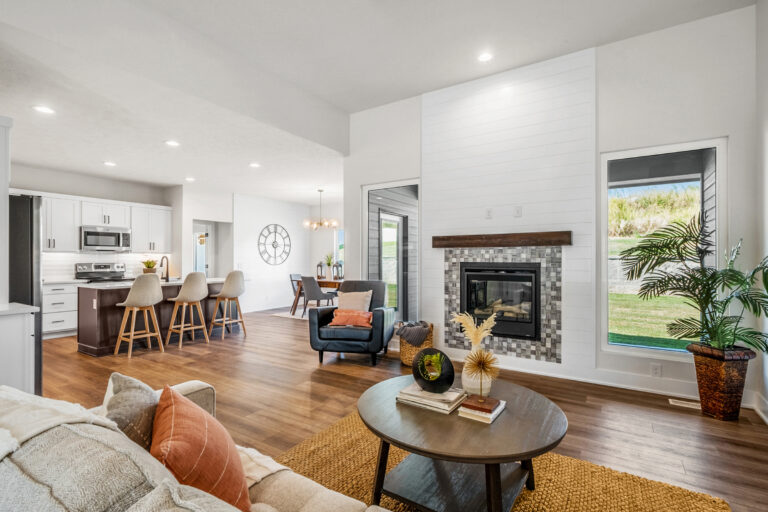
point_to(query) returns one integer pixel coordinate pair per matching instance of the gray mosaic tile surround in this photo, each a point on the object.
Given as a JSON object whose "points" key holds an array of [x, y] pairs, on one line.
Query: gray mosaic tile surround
{"points": [[548, 348]]}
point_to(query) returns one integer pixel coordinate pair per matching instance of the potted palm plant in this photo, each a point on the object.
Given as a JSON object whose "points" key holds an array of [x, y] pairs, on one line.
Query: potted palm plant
{"points": [[671, 261]]}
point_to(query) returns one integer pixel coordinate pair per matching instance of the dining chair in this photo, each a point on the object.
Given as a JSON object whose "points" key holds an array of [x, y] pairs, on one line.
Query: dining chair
{"points": [[295, 280], [312, 291]]}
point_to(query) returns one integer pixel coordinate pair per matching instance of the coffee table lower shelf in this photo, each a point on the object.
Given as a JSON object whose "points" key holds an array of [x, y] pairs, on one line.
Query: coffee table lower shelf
{"points": [[432, 485]]}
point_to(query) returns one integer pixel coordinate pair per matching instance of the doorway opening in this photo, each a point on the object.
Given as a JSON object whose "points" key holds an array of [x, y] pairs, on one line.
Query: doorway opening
{"points": [[393, 217], [212, 251]]}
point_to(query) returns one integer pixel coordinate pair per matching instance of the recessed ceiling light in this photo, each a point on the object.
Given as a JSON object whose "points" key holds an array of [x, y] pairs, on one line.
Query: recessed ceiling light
{"points": [[254, 165], [172, 143], [485, 57], [42, 109], [109, 163], [190, 179]]}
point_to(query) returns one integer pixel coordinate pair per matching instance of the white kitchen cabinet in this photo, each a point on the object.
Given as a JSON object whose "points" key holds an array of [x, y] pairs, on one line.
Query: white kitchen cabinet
{"points": [[151, 230], [106, 214], [160, 230], [140, 238], [61, 224], [59, 307]]}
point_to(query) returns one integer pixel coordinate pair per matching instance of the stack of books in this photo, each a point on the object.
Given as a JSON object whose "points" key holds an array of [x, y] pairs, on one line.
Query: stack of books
{"points": [[478, 408], [444, 403]]}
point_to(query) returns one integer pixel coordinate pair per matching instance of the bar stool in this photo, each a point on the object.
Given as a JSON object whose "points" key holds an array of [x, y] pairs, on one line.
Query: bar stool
{"points": [[234, 286], [194, 289], [144, 294]]}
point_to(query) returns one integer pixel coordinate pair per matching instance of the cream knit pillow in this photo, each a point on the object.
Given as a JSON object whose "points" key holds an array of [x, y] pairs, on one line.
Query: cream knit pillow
{"points": [[358, 301]]}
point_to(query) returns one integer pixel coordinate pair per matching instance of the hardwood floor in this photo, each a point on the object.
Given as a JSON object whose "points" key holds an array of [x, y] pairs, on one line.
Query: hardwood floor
{"points": [[272, 394]]}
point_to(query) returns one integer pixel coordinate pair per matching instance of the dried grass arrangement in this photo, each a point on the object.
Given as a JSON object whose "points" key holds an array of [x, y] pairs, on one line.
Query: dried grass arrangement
{"points": [[472, 331]]}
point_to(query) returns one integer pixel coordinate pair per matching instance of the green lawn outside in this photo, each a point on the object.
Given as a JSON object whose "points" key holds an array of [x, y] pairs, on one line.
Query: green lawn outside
{"points": [[618, 244], [391, 295], [633, 321]]}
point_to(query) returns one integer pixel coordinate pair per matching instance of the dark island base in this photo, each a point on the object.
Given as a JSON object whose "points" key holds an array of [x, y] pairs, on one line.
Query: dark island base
{"points": [[99, 318]]}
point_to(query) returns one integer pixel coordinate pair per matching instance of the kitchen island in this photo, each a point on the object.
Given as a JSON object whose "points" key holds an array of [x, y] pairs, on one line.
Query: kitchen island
{"points": [[99, 316]]}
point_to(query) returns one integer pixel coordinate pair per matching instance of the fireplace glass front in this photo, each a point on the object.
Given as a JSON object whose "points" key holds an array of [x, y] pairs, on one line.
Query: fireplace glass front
{"points": [[509, 291]]}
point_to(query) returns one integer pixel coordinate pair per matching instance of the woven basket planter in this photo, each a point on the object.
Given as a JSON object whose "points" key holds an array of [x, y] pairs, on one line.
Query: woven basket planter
{"points": [[408, 351], [720, 376]]}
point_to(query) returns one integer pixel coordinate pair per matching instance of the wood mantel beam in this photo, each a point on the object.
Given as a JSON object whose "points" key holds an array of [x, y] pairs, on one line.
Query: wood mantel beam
{"points": [[541, 238]]}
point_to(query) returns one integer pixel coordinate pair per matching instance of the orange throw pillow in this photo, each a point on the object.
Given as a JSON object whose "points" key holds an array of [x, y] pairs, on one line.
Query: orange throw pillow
{"points": [[198, 450], [346, 317]]}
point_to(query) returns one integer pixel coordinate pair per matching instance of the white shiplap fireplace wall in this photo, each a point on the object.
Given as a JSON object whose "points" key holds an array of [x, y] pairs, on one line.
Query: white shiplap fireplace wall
{"points": [[523, 142]]}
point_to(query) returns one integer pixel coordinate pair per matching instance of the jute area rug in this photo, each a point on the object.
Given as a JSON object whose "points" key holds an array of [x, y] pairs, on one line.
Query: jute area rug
{"points": [[343, 458]]}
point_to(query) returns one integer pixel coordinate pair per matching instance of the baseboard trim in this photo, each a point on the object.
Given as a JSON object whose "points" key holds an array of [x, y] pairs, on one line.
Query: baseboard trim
{"points": [[761, 407]]}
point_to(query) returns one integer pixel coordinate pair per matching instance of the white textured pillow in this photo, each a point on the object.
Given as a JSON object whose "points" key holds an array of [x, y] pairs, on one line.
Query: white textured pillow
{"points": [[358, 301]]}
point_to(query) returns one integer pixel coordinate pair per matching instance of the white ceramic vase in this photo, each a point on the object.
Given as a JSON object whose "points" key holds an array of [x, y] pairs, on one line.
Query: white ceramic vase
{"points": [[472, 384], [329, 273]]}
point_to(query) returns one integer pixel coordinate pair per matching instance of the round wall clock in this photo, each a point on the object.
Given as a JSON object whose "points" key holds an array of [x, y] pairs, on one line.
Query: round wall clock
{"points": [[274, 244]]}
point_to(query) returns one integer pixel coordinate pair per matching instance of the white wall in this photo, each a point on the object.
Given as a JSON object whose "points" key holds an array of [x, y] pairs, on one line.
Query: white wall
{"points": [[6, 124], [690, 82], [385, 146], [762, 165], [199, 205], [268, 286], [65, 182], [523, 138]]}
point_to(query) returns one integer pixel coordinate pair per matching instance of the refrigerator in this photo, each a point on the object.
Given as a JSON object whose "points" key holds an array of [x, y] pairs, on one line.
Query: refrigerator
{"points": [[25, 283]]}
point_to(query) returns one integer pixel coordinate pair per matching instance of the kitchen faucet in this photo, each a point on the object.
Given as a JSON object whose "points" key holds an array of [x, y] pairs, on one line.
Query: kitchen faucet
{"points": [[166, 267]]}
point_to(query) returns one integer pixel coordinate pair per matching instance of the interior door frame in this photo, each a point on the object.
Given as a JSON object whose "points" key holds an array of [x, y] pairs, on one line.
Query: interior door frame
{"points": [[366, 190]]}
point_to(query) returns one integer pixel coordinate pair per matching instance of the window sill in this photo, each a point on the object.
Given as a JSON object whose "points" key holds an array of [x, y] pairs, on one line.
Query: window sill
{"points": [[646, 353]]}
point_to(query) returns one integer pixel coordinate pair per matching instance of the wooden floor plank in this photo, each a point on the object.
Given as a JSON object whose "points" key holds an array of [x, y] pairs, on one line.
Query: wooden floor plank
{"points": [[272, 394]]}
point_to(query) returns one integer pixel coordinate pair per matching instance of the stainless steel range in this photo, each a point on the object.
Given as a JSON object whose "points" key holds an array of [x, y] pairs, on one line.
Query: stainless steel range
{"points": [[97, 272]]}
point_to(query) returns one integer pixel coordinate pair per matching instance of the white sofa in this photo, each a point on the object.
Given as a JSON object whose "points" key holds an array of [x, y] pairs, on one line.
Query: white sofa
{"points": [[90, 467]]}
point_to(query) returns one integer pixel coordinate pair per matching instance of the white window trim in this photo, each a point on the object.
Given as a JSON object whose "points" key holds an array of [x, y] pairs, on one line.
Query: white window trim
{"points": [[721, 156]]}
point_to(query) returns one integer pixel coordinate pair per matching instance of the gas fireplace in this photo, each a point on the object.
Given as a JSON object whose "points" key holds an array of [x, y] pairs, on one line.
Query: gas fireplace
{"points": [[509, 291]]}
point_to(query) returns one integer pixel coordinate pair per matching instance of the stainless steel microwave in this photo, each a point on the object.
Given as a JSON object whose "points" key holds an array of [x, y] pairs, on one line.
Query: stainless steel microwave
{"points": [[105, 239]]}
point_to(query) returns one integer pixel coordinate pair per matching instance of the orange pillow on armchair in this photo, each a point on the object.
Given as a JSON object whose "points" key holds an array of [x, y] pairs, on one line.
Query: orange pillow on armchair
{"points": [[350, 317], [198, 450]]}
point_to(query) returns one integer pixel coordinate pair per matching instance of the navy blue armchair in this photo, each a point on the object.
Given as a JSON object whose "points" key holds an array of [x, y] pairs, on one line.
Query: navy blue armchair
{"points": [[359, 340]]}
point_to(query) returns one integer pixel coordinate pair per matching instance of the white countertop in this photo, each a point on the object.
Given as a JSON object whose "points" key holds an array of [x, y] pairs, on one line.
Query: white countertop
{"points": [[64, 281], [14, 308], [111, 285]]}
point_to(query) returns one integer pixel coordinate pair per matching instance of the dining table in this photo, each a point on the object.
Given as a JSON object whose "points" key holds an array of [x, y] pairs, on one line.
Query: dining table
{"points": [[324, 283]]}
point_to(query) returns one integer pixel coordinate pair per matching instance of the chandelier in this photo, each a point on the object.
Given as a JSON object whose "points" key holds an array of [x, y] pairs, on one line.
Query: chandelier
{"points": [[321, 222]]}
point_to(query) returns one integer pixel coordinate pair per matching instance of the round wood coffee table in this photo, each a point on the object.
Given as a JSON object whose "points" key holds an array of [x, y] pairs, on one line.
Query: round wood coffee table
{"points": [[452, 459]]}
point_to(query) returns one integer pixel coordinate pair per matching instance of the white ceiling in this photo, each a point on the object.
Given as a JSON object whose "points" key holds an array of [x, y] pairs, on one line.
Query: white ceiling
{"points": [[105, 114], [242, 80], [357, 54]]}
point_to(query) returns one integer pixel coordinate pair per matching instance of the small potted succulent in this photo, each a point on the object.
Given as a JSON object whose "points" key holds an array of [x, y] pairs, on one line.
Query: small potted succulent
{"points": [[150, 266], [671, 261]]}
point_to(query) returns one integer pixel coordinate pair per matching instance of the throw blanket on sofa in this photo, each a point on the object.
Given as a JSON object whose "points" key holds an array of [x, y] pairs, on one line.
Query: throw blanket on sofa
{"points": [[23, 416], [414, 332]]}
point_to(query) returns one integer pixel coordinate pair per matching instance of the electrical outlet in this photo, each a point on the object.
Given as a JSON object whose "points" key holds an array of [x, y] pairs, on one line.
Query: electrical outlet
{"points": [[517, 211], [655, 369], [488, 213]]}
